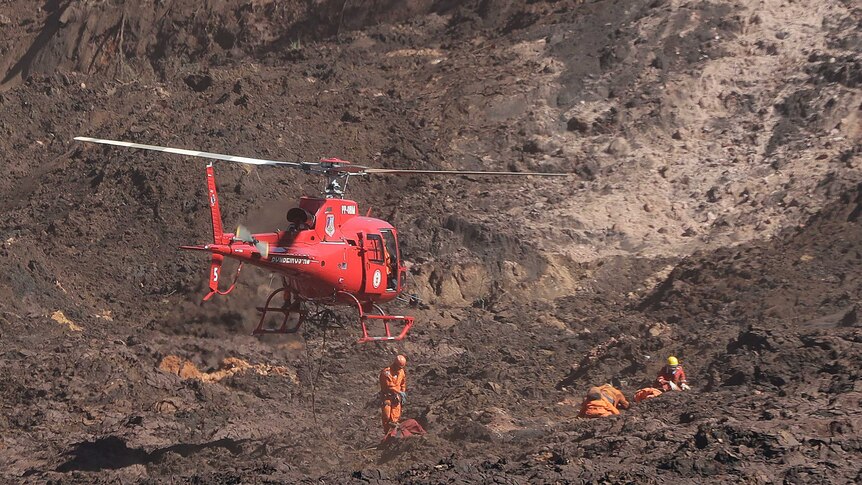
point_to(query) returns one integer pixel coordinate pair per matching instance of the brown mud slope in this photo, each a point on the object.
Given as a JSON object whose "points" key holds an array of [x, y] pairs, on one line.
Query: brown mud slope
{"points": [[714, 213]]}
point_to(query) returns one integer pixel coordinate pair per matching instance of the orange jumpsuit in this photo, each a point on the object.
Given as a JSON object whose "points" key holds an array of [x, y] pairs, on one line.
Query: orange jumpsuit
{"points": [[387, 261], [391, 281], [600, 402], [597, 408], [391, 383], [619, 399]]}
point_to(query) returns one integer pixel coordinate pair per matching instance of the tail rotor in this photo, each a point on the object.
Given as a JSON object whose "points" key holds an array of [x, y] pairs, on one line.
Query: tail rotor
{"points": [[262, 248], [244, 235]]}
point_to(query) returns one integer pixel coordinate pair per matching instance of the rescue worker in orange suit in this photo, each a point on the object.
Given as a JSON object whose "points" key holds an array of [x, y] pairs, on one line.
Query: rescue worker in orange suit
{"points": [[672, 376], [602, 401], [391, 280], [393, 392]]}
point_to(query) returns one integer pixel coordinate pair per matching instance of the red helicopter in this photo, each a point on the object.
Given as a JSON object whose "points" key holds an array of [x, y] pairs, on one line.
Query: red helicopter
{"points": [[328, 255]]}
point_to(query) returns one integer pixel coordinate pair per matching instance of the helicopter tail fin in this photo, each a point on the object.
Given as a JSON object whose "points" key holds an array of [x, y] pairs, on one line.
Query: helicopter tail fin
{"points": [[218, 232], [215, 270], [215, 276]]}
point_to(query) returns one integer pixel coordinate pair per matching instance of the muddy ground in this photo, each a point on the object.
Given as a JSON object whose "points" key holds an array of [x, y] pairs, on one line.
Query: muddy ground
{"points": [[713, 213]]}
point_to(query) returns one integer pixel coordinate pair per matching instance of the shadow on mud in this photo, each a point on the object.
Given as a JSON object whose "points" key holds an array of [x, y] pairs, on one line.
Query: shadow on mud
{"points": [[392, 451], [112, 453]]}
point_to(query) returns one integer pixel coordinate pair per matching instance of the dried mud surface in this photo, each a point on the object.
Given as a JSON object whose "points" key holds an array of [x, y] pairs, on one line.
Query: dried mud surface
{"points": [[714, 214]]}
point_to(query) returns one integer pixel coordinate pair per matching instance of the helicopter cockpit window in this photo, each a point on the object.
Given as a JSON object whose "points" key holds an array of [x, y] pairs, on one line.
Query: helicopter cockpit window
{"points": [[390, 259], [375, 249]]}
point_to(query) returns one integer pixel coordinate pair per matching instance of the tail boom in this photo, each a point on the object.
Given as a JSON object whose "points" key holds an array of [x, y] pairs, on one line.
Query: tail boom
{"points": [[215, 211]]}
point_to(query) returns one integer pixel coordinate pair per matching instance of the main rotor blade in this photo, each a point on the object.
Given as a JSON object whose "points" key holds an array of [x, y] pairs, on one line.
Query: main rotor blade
{"points": [[330, 168], [395, 171], [191, 153]]}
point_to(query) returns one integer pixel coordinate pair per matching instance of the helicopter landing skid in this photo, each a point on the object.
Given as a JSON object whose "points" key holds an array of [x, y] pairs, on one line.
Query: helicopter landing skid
{"points": [[365, 316], [290, 307]]}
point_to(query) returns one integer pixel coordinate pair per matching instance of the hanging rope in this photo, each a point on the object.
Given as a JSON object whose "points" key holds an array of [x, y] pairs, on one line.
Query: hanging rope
{"points": [[315, 365]]}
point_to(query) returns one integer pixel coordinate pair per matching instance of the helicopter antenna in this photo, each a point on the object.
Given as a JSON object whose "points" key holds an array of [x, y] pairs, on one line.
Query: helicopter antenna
{"points": [[346, 179]]}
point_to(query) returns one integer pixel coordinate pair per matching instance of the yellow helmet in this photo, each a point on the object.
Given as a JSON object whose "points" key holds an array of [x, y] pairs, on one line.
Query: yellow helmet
{"points": [[672, 361]]}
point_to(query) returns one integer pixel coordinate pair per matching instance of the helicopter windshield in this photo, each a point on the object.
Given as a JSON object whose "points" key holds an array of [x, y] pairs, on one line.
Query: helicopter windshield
{"points": [[391, 259]]}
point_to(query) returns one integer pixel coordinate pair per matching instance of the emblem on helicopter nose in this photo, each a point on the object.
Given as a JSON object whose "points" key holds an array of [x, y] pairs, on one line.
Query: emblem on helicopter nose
{"points": [[330, 225], [375, 280]]}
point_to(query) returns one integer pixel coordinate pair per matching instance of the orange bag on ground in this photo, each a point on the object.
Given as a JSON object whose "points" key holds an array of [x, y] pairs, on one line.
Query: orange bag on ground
{"points": [[647, 393]]}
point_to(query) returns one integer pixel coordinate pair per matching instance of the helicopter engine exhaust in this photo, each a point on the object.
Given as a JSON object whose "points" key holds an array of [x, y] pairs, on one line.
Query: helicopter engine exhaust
{"points": [[300, 217]]}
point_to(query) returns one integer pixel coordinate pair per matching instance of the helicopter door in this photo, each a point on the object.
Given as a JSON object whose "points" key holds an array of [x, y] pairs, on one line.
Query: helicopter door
{"points": [[390, 259], [375, 264]]}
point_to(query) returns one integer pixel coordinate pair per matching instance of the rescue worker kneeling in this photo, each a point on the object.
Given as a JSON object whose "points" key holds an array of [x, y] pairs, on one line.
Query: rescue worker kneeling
{"points": [[603, 401], [393, 392], [672, 376]]}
